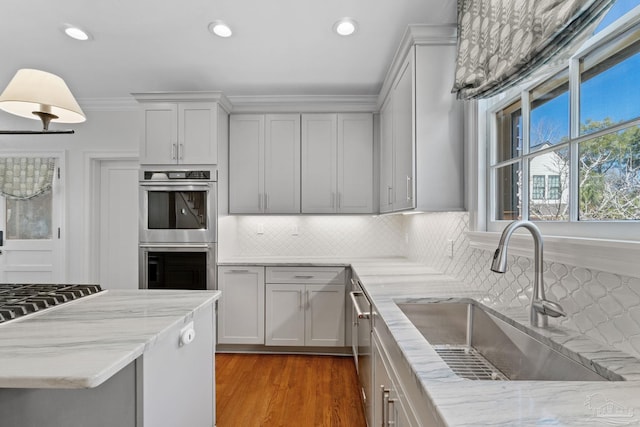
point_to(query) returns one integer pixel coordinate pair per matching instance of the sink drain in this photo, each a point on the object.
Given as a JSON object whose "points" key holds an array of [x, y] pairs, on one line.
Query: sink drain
{"points": [[467, 363]]}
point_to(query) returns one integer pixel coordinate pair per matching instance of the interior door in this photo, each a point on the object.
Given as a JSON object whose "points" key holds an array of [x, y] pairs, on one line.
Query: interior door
{"points": [[118, 224], [30, 250]]}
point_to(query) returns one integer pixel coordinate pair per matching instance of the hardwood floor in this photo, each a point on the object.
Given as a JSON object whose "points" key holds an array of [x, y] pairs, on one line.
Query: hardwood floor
{"points": [[287, 390]]}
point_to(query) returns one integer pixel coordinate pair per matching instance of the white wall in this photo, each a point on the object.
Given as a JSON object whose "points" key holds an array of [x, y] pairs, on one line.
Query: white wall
{"points": [[104, 131]]}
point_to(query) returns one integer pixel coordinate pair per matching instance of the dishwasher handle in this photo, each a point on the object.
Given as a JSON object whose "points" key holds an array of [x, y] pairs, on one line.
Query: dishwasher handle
{"points": [[361, 314]]}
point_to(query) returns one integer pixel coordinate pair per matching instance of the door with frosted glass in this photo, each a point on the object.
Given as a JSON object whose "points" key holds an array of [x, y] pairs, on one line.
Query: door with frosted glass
{"points": [[30, 247]]}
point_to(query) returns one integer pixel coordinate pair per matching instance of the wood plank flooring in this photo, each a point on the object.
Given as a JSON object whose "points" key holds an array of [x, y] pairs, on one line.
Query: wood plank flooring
{"points": [[287, 390]]}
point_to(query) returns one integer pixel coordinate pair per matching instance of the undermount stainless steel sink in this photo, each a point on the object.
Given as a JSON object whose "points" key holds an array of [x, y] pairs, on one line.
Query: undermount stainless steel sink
{"points": [[478, 345]]}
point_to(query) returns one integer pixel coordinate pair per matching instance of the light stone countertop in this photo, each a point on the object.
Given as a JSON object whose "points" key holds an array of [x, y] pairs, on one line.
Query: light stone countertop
{"points": [[81, 344], [461, 402]]}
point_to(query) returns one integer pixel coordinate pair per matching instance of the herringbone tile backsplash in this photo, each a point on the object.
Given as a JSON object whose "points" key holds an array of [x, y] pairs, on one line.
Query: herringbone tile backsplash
{"points": [[602, 305]]}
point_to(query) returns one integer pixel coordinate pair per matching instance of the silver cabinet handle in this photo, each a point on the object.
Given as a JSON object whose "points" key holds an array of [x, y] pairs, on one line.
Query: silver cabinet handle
{"points": [[259, 202], [389, 188], [180, 150], [385, 405], [361, 314], [409, 192], [300, 276], [174, 148], [266, 201], [353, 282], [239, 271]]}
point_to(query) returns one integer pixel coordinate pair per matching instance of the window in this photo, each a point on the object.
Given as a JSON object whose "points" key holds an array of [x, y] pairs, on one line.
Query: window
{"points": [[539, 184], [554, 187], [30, 218], [566, 149]]}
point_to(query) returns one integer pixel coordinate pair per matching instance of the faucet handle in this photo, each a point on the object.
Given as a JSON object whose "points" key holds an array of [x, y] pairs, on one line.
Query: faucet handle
{"points": [[549, 308]]}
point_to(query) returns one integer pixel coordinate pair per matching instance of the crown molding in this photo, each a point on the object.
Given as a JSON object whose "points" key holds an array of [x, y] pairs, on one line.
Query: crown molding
{"points": [[303, 103], [108, 104], [194, 96], [416, 35]]}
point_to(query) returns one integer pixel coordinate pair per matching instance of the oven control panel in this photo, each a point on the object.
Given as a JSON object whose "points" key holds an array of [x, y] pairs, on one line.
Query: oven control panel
{"points": [[177, 175]]}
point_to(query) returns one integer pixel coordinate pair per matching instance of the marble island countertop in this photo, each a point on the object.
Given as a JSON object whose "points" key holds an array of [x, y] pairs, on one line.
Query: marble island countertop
{"points": [[461, 402], [83, 343]]}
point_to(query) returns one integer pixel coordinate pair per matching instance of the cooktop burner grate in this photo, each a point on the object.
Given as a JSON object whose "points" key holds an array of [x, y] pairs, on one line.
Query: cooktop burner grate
{"points": [[17, 300]]}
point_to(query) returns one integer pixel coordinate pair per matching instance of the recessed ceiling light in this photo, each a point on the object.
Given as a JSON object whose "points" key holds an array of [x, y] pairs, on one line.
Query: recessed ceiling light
{"points": [[345, 27], [76, 32], [220, 29]]}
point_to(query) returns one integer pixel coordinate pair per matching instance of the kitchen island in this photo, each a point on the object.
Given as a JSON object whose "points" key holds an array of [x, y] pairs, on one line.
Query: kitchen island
{"points": [[125, 358], [436, 396]]}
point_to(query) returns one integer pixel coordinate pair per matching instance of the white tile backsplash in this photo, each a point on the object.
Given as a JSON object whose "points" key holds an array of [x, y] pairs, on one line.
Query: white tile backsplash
{"points": [[321, 236], [604, 306]]}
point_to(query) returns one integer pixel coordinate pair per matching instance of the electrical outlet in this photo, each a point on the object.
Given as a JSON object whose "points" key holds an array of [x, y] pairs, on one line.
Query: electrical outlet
{"points": [[295, 231], [450, 248], [260, 229]]}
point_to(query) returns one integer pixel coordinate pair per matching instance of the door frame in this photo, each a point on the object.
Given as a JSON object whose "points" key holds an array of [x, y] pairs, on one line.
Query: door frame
{"points": [[92, 165], [59, 211]]}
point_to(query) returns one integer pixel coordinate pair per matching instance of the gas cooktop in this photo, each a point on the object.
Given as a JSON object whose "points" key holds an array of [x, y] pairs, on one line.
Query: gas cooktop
{"points": [[17, 300]]}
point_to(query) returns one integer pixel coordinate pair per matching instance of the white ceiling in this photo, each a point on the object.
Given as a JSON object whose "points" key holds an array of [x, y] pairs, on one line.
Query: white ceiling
{"points": [[279, 47]]}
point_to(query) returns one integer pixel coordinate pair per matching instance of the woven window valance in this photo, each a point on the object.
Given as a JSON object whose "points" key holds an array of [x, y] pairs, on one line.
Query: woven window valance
{"points": [[26, 177], [502, 41]]}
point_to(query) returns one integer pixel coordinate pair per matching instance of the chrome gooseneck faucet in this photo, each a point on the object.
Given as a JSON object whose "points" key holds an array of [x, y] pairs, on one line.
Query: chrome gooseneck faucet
{"points": [[541, 308]]}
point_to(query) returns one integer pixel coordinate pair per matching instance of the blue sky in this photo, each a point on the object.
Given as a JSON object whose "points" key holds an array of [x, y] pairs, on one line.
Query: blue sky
{"points": [[597, 101]]}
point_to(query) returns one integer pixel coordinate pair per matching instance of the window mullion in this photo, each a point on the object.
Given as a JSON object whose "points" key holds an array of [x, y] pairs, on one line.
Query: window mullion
{"points": [[524, 162], [574, 132]]}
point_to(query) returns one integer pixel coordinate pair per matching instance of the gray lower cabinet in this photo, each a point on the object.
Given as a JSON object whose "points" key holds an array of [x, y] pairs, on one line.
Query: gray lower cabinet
{"points": [[241, 305], [305, 306], [388, 399]]}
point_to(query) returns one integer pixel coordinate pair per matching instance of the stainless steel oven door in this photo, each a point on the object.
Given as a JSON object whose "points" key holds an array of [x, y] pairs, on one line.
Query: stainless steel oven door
{"points": [[178, 212], [184, 266]]}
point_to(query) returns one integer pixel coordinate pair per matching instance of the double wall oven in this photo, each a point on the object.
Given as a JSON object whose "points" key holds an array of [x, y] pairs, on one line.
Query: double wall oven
{"points": [[178, 228]]}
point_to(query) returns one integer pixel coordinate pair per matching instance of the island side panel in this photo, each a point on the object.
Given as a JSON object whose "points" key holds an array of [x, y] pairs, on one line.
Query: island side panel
{"points": [[176, 384]]}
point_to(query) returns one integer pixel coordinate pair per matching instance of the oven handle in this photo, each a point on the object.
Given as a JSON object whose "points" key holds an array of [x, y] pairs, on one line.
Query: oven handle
{"points": [[361, 314], [169, 186], [170, 246]]}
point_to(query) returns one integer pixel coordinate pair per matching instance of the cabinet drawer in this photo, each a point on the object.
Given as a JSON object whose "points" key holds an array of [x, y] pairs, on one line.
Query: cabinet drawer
{"points": [[303, 275]]}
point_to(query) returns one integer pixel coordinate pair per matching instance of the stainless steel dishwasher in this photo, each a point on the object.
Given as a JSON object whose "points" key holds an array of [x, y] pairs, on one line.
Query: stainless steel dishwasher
{"points": [[361, 344]]}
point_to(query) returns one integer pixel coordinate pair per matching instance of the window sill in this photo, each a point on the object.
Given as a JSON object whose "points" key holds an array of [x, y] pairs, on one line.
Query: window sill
{"points": [[612, 256]]}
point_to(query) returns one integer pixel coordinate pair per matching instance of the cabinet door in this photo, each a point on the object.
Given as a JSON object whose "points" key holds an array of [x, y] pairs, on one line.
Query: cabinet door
{"points": [[324, 315], [284, 324], [386, 156], [197, 137], [319, 190], [355, 163], [246, 163], [159, 139], [241, 305], [403, 137], [282, 163]]}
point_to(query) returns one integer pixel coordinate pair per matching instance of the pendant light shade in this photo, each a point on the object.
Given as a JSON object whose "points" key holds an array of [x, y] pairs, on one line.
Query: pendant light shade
{"points": [[40, 95]]}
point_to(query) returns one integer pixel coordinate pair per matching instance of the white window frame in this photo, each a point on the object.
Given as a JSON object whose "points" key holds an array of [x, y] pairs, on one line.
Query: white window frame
{"points": [[612, 246]]}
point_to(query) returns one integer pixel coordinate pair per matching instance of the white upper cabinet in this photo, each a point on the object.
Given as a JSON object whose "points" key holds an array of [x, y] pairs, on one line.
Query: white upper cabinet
{"points": [[264, 163], [337, 163], [421, 127], [176, 130]]}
